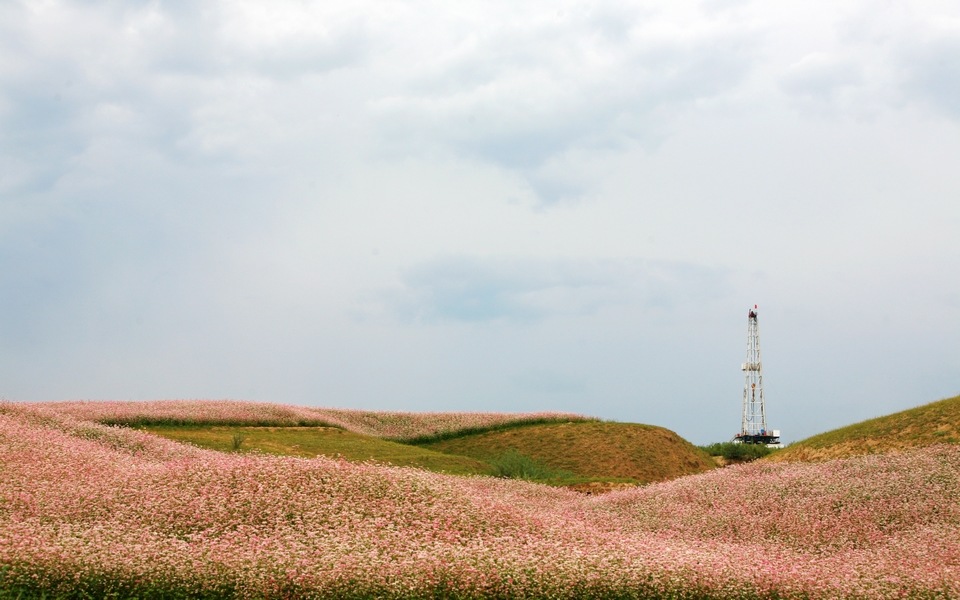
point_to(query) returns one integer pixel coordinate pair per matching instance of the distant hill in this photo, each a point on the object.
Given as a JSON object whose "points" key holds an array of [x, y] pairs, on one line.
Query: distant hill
{"points": [[560, 449], [590, 451], [590, 456], [934, 423]]}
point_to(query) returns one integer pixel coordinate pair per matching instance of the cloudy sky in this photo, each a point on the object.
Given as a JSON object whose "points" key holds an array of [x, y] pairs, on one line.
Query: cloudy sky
{"points": [[412, 205]]}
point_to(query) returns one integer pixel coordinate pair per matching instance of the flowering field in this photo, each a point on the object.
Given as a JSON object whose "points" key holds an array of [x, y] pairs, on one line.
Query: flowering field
{"points": [[399, 426], [409, 426], [88, 510]]}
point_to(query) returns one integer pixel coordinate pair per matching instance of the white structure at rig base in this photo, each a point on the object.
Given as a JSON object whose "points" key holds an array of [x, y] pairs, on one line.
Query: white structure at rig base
{"points": [[753, 423]]}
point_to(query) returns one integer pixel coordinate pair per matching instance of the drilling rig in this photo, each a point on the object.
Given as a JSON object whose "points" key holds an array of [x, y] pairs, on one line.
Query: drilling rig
{"points": [[753, 422]]}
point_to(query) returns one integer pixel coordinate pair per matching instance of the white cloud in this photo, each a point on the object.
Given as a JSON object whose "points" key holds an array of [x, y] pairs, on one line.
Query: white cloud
{"points": [[933, 73], [819, 75], [522, 95]]}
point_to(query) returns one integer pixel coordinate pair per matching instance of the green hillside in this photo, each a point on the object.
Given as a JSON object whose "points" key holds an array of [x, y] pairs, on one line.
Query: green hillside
{"points": [[319, 441], [590, 451], [934, 423]]}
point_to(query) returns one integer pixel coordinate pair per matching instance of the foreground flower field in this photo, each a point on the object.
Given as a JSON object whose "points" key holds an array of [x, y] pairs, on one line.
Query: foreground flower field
{"points": [[88, 510]]}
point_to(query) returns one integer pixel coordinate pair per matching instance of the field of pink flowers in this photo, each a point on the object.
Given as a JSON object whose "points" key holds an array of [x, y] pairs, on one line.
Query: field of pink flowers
{"points": [[88, 510], [391, 425]]}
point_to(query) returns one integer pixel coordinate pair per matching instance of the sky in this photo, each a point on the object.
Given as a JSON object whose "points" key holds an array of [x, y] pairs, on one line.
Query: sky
{"points": [[484, 206]]}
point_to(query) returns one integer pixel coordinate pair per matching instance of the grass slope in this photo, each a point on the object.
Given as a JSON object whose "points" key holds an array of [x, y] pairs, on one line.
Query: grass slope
{"points": [[320, 441], [934, 423], [589, 451], [581, 454]]}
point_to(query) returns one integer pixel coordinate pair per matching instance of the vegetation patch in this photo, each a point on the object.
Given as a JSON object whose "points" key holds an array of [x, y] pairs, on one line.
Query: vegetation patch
{"points": [[738, 453], [589, 450], [513, 465]]}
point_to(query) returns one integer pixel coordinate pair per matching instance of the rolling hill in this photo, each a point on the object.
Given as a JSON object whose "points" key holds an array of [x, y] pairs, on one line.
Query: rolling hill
{"points": [[560, 449], [96, 511], [586, 455], [592, 451], [934, 423]]}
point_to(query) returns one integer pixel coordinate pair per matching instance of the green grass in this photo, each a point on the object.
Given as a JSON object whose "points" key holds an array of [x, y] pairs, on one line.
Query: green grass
{"points": [[513, 465], [320, 441]]}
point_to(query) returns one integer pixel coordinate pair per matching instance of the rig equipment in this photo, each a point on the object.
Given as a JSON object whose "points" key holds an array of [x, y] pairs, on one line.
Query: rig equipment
{"points": [[753, 422]]}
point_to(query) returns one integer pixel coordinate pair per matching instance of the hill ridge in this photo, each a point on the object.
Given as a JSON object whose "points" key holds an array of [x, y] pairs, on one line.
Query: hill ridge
{"points": [[925, 425]]}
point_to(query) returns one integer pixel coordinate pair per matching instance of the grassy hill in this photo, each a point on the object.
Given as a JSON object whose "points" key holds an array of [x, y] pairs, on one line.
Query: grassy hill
{"points": [[934, 423], [589, 451], [588, 455]]}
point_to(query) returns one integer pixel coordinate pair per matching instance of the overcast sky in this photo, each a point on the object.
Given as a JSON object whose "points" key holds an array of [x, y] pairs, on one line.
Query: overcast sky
{"points": [[475, 206]]}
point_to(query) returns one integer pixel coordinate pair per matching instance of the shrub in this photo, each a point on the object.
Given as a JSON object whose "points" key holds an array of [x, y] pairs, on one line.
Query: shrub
{"points": [[738, 452]]}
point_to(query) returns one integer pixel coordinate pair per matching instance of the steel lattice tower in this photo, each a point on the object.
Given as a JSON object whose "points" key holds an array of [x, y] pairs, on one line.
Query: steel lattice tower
{"points": [[753, 424]]}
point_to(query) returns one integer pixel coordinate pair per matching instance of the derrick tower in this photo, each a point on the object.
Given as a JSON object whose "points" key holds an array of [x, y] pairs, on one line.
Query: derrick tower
{"points": [[753, 422]]}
